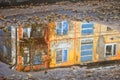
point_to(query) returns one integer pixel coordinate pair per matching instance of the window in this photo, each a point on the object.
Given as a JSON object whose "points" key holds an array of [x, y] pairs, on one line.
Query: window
{"points": [[37, 33], [87, 28], [109, 29], [62, 28], [61, 56], [86, 50], [110, 49], [38, 57], [26, 55], [26, 32]]}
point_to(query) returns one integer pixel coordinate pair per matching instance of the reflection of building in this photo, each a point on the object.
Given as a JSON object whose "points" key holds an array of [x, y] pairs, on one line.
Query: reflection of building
{"points": [[8, 45], [64, 43], [13, 2], [31, 48], [76, 42]]}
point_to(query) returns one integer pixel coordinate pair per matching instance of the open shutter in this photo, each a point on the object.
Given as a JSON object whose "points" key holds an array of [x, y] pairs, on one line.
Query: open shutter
{"points": [[65, 55], [65, 27]]}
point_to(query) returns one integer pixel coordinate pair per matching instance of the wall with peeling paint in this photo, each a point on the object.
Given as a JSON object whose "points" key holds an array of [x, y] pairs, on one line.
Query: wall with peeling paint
{"points": [[62, 42], [102, 35], [72, 43], [37, 51]]}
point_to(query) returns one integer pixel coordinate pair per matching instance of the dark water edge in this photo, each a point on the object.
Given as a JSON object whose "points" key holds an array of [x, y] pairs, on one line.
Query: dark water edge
{"points": [[11, 3]]}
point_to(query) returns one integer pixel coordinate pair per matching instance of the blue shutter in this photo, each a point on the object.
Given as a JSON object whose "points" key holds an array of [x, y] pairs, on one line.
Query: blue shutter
{"points": [[65, 27], [87, 31], [87, 52], [87, 25], [65, 55], [59, 28], [87, 28], [36, 59], [86, 58], [84, 47]]}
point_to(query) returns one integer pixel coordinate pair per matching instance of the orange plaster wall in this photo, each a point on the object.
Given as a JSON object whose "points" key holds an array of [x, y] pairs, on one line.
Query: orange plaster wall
{"points": [[19, 65], [20, 32], [51, 28], [27, 68], [116, 57], [36, 67]]}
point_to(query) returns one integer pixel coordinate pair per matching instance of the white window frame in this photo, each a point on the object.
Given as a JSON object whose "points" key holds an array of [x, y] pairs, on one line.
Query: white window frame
{"points": [[62, 54], [28, 56], [87, 49], [112, 44], [28, 34], [87, 28], [62, 26]]}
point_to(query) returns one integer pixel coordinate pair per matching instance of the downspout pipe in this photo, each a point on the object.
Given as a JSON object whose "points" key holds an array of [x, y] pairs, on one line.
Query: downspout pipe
{"points": [[75, 43], [16, 34]]}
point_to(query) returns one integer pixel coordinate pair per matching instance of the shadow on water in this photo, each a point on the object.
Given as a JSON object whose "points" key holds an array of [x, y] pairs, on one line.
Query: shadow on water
{"points": [[11, 3]]}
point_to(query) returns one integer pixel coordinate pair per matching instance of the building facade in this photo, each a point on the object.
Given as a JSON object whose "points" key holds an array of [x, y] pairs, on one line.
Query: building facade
{"points": [[76, 42], [8, 45], [62, 43], [32, 49]]}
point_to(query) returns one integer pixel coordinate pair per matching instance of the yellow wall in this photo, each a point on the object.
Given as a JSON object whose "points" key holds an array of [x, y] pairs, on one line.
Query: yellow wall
{"points": [[55, 39], [74, 37], [70, 60]]}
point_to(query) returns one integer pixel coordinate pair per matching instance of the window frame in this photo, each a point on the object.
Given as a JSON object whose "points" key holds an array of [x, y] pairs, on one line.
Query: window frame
{"points": [[37, 33], [40, 61], [39, 57], [109, 29], [112, 50], [62, 56], [87, 28], [57, 28], [62, 30], [28, 34], [27, 56]]}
